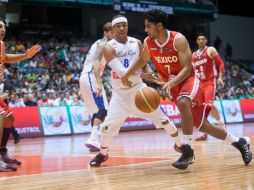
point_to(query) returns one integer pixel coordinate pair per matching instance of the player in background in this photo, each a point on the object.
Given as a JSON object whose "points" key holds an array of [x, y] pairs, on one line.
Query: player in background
{"points": [[6, 116], [208, 65], [172, 57], [91, 87]]}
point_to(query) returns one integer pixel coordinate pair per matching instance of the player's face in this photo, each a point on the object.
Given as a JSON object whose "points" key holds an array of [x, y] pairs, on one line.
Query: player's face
{"points": [[2, 30], [201, 41], [151, 29], [109, 35], [120, 30]]}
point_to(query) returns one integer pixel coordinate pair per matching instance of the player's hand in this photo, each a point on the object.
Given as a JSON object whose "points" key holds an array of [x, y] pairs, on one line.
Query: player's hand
{"points": [[126, 82], [167, 86], [32, 51], [99, 90], [220, 82], [5, 96]]}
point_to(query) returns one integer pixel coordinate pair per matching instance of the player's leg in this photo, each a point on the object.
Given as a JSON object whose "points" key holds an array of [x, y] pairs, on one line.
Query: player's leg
{"points": [[110, 128], [189, 93], [242, 143], [8, 123], [93, 141], [95, 105], [86, 91], [3, 166], [15, 135]]}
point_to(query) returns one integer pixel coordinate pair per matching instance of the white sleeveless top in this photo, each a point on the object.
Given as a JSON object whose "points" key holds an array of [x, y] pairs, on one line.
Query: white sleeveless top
{"points": [[88, 64], [127, 53]]}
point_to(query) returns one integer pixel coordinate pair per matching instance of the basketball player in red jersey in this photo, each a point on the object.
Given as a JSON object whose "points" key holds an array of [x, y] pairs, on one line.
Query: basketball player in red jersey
{"points": [[6, 116], [207, 62], [172, 57]]}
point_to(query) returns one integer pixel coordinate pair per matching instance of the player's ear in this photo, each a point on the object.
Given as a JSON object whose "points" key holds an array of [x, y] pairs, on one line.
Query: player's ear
{"points": [[160, 26]]}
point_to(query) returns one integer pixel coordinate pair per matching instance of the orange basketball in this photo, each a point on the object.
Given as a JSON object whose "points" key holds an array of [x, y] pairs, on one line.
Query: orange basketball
{"points": [[147, 99]]}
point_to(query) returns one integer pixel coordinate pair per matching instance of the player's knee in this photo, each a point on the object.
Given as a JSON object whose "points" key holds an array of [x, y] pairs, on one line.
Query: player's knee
{"points": [[183, 102], [8, 123]]}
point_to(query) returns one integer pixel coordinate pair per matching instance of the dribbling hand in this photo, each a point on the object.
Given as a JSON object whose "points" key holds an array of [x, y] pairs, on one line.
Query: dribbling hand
{"points": [[126, 82]]}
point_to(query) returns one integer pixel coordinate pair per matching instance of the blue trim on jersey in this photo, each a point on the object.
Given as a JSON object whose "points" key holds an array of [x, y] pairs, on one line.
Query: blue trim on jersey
{"points": [[98, 99]]}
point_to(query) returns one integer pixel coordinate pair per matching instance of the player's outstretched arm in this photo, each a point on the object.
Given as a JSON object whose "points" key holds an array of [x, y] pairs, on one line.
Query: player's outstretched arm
{"points": [[13, 58]]}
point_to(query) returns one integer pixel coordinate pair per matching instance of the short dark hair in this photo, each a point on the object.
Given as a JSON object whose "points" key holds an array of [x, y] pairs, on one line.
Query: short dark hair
{"points": [[157, 16], [201, 34], [107, 27]]}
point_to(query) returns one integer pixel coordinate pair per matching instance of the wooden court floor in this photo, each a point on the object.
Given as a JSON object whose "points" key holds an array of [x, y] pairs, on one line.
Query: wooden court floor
{"points": [[138, 160]]}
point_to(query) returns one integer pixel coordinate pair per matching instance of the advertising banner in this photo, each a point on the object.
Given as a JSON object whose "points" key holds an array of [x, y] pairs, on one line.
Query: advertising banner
{"points": [[172, 112], [27, 121], [247, 106], [55, 120], [232, 111], [80, 120]]}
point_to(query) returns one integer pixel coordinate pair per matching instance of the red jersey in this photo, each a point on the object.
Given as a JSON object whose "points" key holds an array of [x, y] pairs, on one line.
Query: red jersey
{"points": [[204, 64], [165, 56]]}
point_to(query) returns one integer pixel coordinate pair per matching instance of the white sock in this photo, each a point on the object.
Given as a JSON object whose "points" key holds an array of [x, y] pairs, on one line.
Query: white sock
{"points": [[177, 141], [187, 139], [104, 151], [105, 142], [231, 138], [94, 133]]}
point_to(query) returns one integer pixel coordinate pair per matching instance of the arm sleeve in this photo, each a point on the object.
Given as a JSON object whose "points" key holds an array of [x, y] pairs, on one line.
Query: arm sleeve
{"points": [[117, 66], [219, 63]]}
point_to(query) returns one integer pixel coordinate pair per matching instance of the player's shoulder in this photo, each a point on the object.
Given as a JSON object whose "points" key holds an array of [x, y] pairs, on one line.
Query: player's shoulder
{"points": [[132, 39]]}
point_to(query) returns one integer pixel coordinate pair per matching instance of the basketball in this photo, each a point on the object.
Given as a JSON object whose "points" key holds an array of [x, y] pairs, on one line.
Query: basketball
{"points": [[147, 99]]}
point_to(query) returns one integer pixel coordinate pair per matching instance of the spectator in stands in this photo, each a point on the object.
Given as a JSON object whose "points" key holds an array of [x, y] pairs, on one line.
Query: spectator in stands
{"points": [[15, 101], [29, 100], [44, 101]]}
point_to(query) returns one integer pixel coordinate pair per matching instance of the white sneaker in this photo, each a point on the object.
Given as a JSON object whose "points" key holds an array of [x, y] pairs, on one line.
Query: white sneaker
{"points": [[93, 145]]}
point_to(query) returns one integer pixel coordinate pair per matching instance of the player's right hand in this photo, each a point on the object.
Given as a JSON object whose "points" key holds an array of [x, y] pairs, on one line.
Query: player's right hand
{"points": [[32, 51], [126, 82]]}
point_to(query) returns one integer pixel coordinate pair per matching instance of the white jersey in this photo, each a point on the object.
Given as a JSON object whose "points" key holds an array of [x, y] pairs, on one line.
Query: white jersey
{"points": [[127, 53], [88, 64]]}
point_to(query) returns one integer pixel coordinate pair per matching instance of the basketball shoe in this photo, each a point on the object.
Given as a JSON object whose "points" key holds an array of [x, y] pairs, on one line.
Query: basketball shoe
{"points": [[186, 158], [244, 147], [98, 159]]}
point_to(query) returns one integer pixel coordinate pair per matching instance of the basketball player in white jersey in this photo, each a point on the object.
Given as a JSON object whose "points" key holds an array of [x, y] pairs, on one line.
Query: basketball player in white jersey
{"points": [[91, 87], [120, 53]]}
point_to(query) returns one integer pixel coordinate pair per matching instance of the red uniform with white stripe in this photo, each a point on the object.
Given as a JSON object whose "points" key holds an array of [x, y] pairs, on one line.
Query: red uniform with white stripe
{"points": [[3, 105], [205, 66], [166, 61]]}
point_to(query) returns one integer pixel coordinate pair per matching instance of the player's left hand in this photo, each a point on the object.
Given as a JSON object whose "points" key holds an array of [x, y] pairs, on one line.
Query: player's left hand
{"points": [[32, 51], [220, 82], [126, 82]]}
